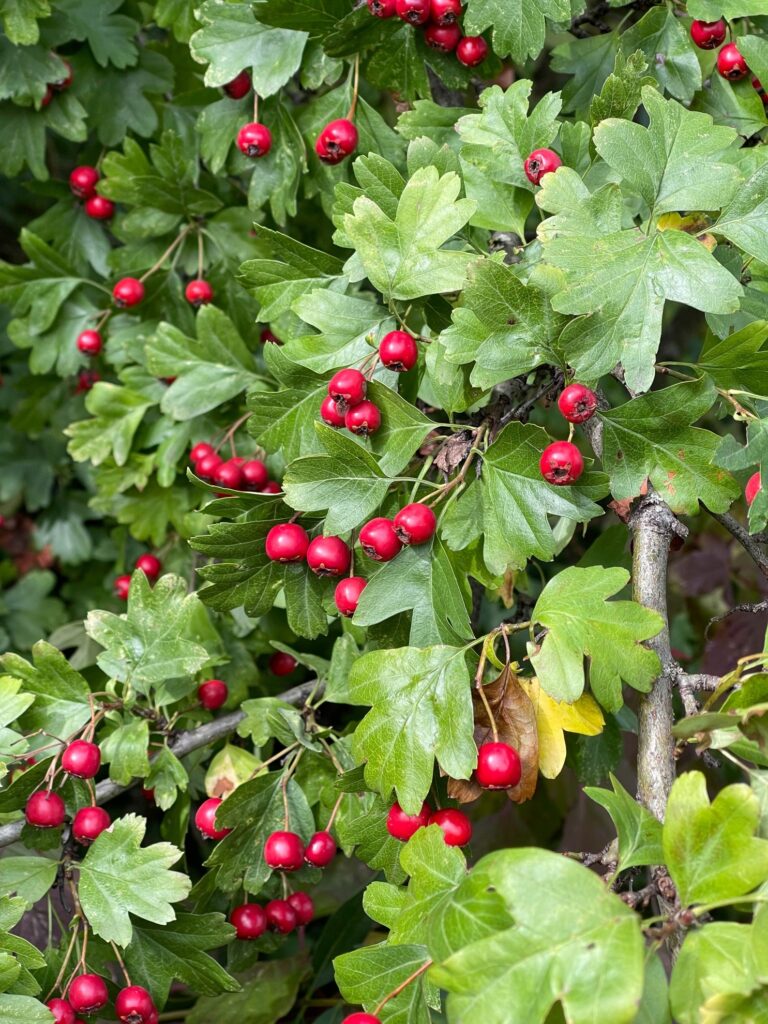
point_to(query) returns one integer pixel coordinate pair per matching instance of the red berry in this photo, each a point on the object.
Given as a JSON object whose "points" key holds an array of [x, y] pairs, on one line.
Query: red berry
{"points": [[122, 586], [379, 540], [63, 83], [336, 141], [99, 208], [212, 693], [200, 451], [415, 12], [708, 35], [320, 850], [49, 94], [87, 992], [205, 819], [61, 1010], [82, 181], [363, 419], [129, 291], [81, 759], [271, 487], [445, 12], [347, 594], [398, 351], [382, 8], [228, 474], [753, 486], [731, 64], [539, 163], [498, 766], [287, 542], [89, 822], [328, 556], [347, 388], [254, 474], [443, 38], [282, 664], [561, 463], [267, 336], [456, 826], [415, 524], [208, 465], [281, 916], [89, 343], [254, 139], [45, 810], [303, 906], [361, 1018], [330, 413], [249, 920], [86, 380], [150, 565], [239, 86], [284, 851], [577, 403], [134, 1005], [402, 826], [471, 51], [198, 292]]}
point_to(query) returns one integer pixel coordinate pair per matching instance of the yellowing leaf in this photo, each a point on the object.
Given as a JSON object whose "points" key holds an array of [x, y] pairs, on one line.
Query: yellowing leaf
{"points": [[553, 718]]}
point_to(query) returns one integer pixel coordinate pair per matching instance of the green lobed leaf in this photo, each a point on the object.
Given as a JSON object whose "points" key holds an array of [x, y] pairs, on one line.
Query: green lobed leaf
{"points": [[60, 693], [639, 833]]}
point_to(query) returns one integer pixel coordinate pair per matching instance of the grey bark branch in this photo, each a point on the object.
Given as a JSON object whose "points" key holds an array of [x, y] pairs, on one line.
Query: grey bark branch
{"points": [[182, 745]]}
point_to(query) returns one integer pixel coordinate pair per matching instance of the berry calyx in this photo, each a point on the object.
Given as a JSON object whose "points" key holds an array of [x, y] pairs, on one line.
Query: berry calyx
{"points": [[753, 486], [254, 474], [415, 12], [398, 351], [330, 413], [228, 474], [208, 465], [498, 766], [363, 419], [254, 140], [415, 524], [134, 1005], [456, 826], [281, 916], [150, 565], [320, 850], [471, 51], [89, 822], [99, 208], [336, 141], [443, 38], [402, 826], [45, 810], [577, 403], [89, 342], [347, 388], [200, 451], [128, 291], [287, 542], [212, 694], [303, 906], [205, 819], [122, 586], [284, 851], [328, 556], [249, 920], [61, 1010], [379, 540], [282, 664], [539, 163], [445, 12], [708, 35], [382, 8], [361, 1018], [87, 993], [239, 86], [561, 463], [731, 64], [198, 293], [82, 181], [347, 594], [81, 759]]}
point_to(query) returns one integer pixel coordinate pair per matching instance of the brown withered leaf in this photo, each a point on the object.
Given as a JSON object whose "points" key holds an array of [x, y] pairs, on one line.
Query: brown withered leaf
{"points": [[454, 451], [515, 718]]}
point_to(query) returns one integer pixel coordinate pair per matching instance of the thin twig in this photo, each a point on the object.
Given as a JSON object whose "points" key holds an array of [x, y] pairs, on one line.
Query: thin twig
{"points": [[748, 542]]}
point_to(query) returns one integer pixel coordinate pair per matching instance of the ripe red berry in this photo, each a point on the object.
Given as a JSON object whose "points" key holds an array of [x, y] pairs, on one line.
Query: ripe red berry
{"points": [[254, 139], [267, 336], [303, 906], [212, 693], [415, 523], [87, 993], [415, 12], [134, 1005], [239, 86], [443, 38], [363, 419], [347, 594], [249, 920], [282, 664], [347, 388], [379, 540], [89, 822], [208, 465], [99, 208], [45, 810], [254, 474], [85, 380], [198, 292], [205, 819], [82, 181], [539, 163], [561, 463], [49, 94], [328, 556], [336, 141], [753, 486], [200, 451], [445, 12], [731, 64], [361, 1018], [81, 759], [382, 8], [63, 83], [471, 51], [228, 474], [330, 413], [577, 403], [402, 826], [284, 851], [281, 916], [271, 487], [320, 850], [498, 766], [122, 586], [398, 351], [61, 1010], [456, 826], [129, 291], [150, 565], [287, 542], [89, 342], [708, 35]]}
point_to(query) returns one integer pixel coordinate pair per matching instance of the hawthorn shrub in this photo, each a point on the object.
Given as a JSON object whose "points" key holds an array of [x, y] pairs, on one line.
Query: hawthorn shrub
{"points": [[384, 389]]}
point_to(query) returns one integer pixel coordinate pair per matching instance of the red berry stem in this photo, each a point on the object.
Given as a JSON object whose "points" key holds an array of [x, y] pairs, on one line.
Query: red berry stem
{"points": [[335, 811], [402, 986], [123, 968], [355, 87], [178, 240], [481, 688]]}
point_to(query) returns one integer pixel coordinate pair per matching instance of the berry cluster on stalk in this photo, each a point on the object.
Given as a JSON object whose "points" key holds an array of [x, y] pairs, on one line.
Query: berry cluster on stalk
{"points": [[440, 21]]}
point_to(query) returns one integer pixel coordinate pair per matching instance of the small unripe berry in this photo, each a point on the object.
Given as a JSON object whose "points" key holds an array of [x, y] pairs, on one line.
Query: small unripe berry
{"points": [[254, 140], [249, 920], [303, 907], [708, 35], [539, 163], [328, 556], [282, 664], [134, 1005], [753, 486], [731, 64], [443, 38], [200, 451], [382, 8], [287, 542], [281, 916], [45, 810], [198, 292], [498, 766], [363, 419], [347, 594], [398, 351], [361, 1018], [415, 12], [81, 759], [471, 51], [445, 12], [254, 474], [415, 524], [320, 850], [379, 540], [122, 586], [336, 141], [561, 463], [61, 1010], [87, 993], [89, 822], [239, 86], [456, 826], [82, 181], [284, 851], [347, 388], [129, 291], [402, 826], [228, 474], [212, 694], [577, 403], [330, 413], [208, 465], [99, 208], [150, 565], [205, 819], [89, 342]]}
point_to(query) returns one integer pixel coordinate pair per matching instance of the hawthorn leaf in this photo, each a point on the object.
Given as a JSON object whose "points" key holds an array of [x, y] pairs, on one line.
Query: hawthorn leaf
{"points": [[588, 63], [16, 1009], [519, 26], [345, 323], [20, 19], [403, 428], [268, 993], [116, 414], [60, 693], [40, 288], [743, 219], [554, 719], [639, 833], [125, 749], [30, 878], [739, 361], [711, 10], [366, 975], [26, 70], [366, 834], [151, 76], [166, 777], [109, 35], [660, 32], [621, 92], [285, 420]]}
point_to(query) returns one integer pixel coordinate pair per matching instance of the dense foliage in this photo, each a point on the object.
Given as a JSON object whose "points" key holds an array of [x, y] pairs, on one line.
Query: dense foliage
{"points": [[363, 367]]}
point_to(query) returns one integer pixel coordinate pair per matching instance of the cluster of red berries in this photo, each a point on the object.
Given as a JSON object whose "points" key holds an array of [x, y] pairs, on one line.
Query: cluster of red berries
{"points": [[149, 564], [237, 473], [708, 35], [88, 994], [60, 85], [561, 462], [456, 826], [82, 182], [440, 21], [45, 809]]}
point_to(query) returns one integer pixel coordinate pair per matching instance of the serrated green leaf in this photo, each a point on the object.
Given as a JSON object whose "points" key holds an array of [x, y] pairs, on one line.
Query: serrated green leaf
{"points": [[23, 1010], [365, 976], [117, 413], [29, 878], [109, 35], [125, 749], [519, 26], [149, 78], [621, 92], [20, 19], [60, 693], [639, 833], [659, 32], [742, 220]]}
